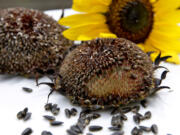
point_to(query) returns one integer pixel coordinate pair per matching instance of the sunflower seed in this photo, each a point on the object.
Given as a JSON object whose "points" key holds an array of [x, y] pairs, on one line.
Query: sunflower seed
{"points": [[125, 109], [116, 121], [48, 106], [114, 128], [96, 115], [144, 103], [136, 119], [118, 133], [28, 116], [71, 132], [154, 128], [146, 129], [134, 131], [68, 113], [20, 115], [95, 128], [89, 134], [135, 109], [73, 111], [147, 115], [76, 129], [46, 133], [29, 90], [24, 111], [50, 118], [27, 131], [55, 110], [56, 123]]}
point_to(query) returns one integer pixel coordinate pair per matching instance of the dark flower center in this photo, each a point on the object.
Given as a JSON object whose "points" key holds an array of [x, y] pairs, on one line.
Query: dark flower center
{"points": [[130, 19]]}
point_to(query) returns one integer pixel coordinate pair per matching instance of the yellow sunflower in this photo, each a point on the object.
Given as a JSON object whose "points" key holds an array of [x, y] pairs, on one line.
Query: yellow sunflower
{"points": [[152, 24]]}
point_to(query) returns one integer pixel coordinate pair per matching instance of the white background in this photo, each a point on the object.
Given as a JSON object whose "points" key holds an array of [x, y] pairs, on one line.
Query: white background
{"points": [[164, 106]]}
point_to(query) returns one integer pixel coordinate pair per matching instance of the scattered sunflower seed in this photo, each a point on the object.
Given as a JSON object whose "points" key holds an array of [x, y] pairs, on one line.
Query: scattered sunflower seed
{"points": [[55, 111], [27, 131], [146, 129], [56, 123], [154, 128], [136, 119], [76, 129], [20, 115], [48, 106], [95, 128], [134, 131], [135, 109], [71, 132], [50, 118], [89, 134], [29, 90], [147, 115], [73, 111], [46, 133], [144, 103], [67, 113], [24, 111], [28, 116], [118, 133], [114, 128]]}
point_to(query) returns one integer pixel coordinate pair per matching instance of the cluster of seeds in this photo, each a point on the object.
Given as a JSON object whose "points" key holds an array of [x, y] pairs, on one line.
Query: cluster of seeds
{"points": [[70, 113], [52, 107], [24, 114]]}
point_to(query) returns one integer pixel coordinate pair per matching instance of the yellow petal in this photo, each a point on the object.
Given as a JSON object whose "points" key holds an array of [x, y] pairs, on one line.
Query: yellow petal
{"points": [[166, 5], [82, 19], [107, 35], [91, 31], [91, 6]]}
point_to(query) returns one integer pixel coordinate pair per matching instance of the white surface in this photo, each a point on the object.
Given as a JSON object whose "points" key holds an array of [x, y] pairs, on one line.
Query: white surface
{"points": [[164, 106]]}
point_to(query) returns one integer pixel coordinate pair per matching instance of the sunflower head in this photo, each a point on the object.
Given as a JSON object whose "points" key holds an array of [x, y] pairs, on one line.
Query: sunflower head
{"points": [[152, 24], [131, 19]]}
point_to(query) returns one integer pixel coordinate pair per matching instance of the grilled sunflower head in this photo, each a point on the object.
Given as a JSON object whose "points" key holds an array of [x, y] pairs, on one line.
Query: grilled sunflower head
{"points": [[152, 24]]}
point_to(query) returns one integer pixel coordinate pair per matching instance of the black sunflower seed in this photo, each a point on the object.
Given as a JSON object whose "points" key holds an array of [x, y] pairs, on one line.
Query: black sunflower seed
{"points": [[48, 106], [154, 128], [114, 128], [24, 111], [50, 118], [56, 123], [147, 115], [46, 133], [27, 131], [29, 90], [136, 119], [20, 115], [76, 129], [55, 111], [134, 131], [67, 113], [96, 115], [125, 109], [123, 116], [144, 103], [95, 128], [118, 133], [73, 111], [89, 134], [135, 109], [71, 132], [28, 116], [144, 128]]}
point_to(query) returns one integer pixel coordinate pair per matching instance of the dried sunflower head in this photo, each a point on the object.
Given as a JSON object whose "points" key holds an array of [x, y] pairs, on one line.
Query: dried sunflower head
{"points": [[30, 41], [107, 72]]}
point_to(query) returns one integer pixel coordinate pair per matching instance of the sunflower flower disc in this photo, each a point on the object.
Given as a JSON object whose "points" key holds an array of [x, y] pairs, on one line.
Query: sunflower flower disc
{"points": [[152, 24]]}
